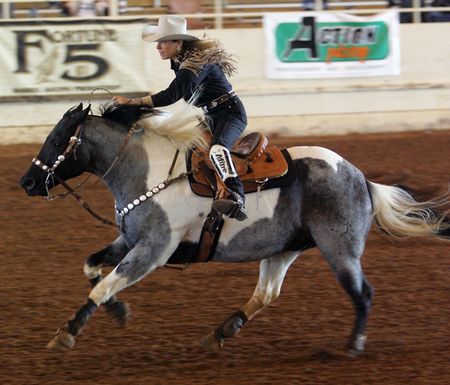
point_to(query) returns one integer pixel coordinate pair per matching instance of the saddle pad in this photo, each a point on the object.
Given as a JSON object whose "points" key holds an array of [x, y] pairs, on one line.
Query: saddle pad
{"points": [[261, 174]]}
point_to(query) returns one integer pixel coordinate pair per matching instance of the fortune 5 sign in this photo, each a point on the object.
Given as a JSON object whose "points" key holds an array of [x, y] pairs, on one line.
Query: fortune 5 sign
{"points": [[68, 57]]}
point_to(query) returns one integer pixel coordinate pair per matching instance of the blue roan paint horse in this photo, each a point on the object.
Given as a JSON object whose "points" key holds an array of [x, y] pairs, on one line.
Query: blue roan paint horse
{"points": [[329, 205]]}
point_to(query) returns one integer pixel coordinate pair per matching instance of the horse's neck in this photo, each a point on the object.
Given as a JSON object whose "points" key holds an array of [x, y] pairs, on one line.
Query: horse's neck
{"points": [[102, 141], [143, 163]]}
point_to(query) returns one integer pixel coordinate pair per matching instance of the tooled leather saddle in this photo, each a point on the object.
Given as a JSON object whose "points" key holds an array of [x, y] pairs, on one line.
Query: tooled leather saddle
{"points": [[256, 165]]}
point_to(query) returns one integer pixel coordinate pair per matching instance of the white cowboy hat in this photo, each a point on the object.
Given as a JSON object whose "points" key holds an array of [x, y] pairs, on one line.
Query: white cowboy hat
{"points": [[169, 28]]}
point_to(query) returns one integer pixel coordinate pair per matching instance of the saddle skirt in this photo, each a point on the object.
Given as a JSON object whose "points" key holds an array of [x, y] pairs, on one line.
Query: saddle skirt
{"points": [[255, 165]]}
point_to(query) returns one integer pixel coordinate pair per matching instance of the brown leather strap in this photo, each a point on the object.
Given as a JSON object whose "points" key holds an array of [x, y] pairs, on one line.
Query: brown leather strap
{"points": [[119, 154], [174, 161], [209, 237], [82, 203]]}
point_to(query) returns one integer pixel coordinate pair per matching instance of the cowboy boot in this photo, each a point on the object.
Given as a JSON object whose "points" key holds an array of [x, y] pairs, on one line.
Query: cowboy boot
{"points": [[232, 204]]}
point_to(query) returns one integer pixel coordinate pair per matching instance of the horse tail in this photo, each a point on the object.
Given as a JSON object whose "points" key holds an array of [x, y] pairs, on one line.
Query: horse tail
{"points": [[399, 215]]}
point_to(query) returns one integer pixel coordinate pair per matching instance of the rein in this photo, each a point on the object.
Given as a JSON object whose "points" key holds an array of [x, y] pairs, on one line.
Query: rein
{"points": [[82, 203]]}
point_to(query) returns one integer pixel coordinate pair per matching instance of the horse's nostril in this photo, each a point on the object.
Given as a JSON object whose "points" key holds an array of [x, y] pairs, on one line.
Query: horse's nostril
{"points": [[27, 183]]}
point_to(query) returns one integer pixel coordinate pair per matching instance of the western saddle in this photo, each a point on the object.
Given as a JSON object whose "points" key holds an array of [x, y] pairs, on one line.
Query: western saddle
{"points": [[255, 164]]}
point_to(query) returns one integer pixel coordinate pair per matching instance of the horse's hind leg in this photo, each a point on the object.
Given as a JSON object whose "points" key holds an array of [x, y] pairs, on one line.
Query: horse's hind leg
{"points": [[271, 275], [109, 256], [344, 259], [361, 295], [351, 277]]}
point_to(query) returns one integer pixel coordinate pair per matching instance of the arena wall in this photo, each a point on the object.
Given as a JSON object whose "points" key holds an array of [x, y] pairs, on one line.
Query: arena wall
{"points": [[417, 99]]}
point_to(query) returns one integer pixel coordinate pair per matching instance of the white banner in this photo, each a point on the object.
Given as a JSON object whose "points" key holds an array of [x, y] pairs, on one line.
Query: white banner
{"points": [[64, 57], [327, 45]]}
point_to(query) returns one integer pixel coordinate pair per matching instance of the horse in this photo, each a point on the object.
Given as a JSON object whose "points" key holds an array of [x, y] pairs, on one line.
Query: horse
{"points": [[328, 204]]}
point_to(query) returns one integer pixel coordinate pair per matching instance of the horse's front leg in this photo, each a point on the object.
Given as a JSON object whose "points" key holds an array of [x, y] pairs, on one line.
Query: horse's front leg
{"points": [[109, 256], [271, 275], [140, 260]]}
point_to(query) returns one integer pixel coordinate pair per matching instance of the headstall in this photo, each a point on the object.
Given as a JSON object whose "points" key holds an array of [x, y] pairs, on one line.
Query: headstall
{"points": [[74, 142]]}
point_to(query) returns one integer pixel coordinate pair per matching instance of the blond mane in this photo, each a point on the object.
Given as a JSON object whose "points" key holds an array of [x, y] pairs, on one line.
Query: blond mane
{"points": [[183, 124]]}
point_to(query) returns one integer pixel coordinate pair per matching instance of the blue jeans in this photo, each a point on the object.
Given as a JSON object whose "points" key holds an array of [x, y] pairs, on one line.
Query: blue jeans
{"points": [[228, 122]]}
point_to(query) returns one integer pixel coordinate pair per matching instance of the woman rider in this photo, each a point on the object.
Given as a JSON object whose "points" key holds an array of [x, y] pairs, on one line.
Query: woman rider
{"points": [[202, 67]]}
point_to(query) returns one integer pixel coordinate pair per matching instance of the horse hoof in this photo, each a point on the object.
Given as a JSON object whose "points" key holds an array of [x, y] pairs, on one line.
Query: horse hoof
{"points": [[63, 340], [210, 342], [357, 345], [120, 312]]}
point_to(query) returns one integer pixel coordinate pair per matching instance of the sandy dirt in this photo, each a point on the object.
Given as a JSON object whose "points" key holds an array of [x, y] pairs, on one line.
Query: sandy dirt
{"points": [[299, 339]]}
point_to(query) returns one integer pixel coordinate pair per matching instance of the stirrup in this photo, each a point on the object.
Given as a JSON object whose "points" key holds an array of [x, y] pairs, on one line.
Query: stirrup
{"points": [[230, 208]]}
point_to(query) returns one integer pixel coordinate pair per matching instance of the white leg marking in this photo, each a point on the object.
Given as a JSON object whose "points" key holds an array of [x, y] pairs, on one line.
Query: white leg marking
{"points": [[271, 275], [315, 152], [106, 288]]}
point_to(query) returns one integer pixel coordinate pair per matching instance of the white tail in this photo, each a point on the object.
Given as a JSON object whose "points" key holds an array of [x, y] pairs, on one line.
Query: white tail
{"points": [[399, 215]]}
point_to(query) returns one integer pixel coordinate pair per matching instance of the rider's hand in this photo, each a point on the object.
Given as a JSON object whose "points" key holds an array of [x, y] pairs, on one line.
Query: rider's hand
{"points": [[121, 100], [145, 101]]}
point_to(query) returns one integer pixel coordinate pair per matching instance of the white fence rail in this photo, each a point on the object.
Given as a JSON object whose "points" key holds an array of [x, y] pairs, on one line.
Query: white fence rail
{"points": [[224, 10]]}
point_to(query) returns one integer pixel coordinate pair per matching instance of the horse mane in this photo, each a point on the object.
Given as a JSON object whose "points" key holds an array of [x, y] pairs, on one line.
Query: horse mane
{"points": [[126, 114], [182, 126]]}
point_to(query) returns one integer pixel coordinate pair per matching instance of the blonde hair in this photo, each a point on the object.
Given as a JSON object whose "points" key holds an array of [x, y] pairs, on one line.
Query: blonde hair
{"points": [[195, 54], [201, 45]]}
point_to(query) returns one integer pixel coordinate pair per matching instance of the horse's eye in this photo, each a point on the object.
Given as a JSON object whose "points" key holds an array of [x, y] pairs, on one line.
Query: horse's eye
{"points": [[57, 144]]}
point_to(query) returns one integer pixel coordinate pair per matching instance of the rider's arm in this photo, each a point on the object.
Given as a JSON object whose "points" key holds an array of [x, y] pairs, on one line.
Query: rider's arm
{"points": [[183, 85]]}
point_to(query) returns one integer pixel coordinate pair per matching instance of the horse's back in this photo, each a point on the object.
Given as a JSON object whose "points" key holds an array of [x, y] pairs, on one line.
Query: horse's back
{"points": [[316, 152]]}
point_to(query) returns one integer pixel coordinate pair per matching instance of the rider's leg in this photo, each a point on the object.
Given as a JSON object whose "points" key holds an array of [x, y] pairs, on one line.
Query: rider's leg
{"points": [[232, 204], [228, 123]]}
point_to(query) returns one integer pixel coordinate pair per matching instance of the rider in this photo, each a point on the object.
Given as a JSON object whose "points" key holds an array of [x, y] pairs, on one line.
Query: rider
{"points": [[202, 67]]}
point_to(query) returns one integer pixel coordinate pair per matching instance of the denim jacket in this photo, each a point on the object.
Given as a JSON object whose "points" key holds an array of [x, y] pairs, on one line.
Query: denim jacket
{"points": [[210, 82]]}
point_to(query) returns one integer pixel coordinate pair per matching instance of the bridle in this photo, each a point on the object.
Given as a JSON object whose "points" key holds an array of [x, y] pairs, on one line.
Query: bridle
{"points": [[74, 141]]}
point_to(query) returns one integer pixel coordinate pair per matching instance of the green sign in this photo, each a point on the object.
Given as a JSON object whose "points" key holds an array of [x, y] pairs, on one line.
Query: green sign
{"points": [[311, 41]]}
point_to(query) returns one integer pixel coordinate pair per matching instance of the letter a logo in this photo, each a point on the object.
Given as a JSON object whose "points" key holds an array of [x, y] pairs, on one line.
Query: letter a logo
{"points": [[297, 43]]}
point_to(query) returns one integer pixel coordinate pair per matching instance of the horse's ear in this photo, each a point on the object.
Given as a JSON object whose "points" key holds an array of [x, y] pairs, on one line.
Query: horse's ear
{"points": [[86, 110], [79, 115]]}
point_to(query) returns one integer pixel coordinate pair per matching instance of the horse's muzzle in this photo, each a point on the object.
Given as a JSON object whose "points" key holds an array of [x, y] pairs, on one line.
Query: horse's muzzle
{"points": [[29, 185]]}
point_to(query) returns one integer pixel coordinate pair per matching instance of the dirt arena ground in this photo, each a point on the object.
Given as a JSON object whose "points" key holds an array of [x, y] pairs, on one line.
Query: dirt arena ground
{"points": [[299, 339]]}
